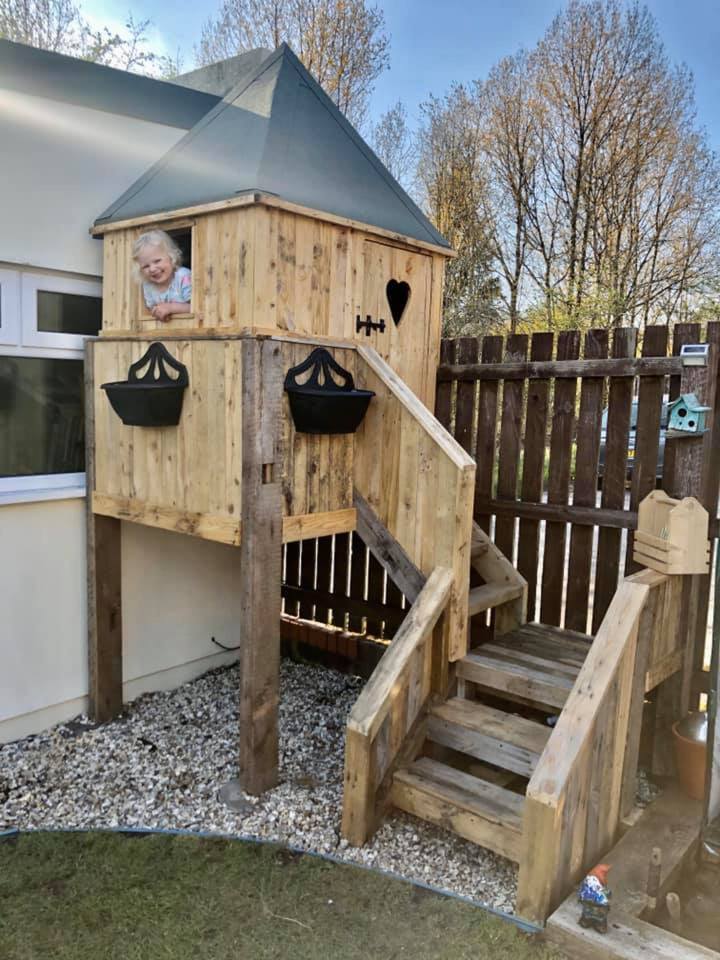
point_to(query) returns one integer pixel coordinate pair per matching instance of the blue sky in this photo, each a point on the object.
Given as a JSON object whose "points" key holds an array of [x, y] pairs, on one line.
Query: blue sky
{"points": [[435, 42]]}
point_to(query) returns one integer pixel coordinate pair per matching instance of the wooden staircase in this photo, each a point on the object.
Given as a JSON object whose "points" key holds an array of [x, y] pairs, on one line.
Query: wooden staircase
{"points": [[523, 738], [481, 749]]}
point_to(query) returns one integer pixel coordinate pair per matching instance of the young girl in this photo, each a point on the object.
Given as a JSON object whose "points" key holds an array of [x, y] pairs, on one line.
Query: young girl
{"points": [[166, 285]]}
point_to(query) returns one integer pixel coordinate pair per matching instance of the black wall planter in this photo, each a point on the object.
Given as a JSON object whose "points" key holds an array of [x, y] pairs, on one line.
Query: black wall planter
{"points": [[155, 399], [324, 405]]}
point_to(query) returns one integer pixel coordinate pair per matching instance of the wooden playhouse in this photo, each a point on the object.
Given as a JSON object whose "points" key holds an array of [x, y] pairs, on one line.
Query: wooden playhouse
{"points": [[299, 239]]}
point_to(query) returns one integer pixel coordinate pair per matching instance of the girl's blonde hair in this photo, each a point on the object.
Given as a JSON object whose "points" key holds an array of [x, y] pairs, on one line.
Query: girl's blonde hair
{"points": [[155, 238]]}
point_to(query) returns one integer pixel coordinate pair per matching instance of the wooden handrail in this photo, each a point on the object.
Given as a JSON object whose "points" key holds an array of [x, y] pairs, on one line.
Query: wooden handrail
{"points": [[390, 711], [419, 482], [445, 441], [373, 704], [574, 799]]}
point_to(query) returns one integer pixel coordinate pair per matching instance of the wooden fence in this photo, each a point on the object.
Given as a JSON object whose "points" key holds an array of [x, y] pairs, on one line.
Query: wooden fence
{"points": [[535, 411]]}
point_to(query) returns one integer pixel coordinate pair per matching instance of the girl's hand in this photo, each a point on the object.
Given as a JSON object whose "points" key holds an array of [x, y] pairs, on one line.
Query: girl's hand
{"points": [[162, 311]]}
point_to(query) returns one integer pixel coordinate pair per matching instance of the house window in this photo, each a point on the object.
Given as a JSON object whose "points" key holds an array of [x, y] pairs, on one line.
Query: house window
{"points": [[41, 416], [59, 312], [44, 321]]}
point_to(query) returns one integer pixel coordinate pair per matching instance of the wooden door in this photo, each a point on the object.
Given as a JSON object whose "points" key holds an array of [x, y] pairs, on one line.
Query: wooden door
{"points": [[404, 344]]}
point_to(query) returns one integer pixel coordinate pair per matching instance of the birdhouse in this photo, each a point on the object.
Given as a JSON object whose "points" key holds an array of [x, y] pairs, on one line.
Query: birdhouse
{"points": [[672, 535], [687, 414]]}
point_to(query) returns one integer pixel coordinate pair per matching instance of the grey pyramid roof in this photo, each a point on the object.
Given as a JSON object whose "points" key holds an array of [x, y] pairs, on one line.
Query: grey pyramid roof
{"points": [[277, 132]]}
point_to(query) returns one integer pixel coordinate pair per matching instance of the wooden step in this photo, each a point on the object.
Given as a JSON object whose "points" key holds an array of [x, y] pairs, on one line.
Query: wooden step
{"points": [[542, 686], [567, 639], [474, 809], [491, 595], [521, 641], [493, 736]]}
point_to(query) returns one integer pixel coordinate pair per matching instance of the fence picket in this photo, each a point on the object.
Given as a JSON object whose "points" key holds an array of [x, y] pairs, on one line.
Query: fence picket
{"points": [[487, 428], [613, 484], [510, 433], [647, 432], [563, 422], [534, 467], [585, 486]]}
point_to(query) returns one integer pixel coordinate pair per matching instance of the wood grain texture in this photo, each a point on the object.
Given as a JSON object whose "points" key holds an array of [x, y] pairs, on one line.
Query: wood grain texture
{"points": [[509, 451], [585, 486], [576, 789], [420, 487], [613, 487], [487, 429], [260, 566], [390, 706], [563, 428], [282, 269], [534, 465], [104, 586]]}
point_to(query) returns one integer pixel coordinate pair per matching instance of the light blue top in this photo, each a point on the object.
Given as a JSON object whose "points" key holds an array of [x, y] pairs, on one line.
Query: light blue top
{"points": [[178, 291]]}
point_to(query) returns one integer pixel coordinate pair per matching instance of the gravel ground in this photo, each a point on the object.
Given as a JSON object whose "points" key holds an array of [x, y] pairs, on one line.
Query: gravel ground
{"points": [[161, 765]]}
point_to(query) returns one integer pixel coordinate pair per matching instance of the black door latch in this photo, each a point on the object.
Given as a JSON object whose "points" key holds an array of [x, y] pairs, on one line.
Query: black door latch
{"points": [[368, 324]]}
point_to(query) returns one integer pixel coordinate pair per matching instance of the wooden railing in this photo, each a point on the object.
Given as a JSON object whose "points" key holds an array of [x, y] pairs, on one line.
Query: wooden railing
{"points": [[584, 782], [386, 722], [419, 482]]}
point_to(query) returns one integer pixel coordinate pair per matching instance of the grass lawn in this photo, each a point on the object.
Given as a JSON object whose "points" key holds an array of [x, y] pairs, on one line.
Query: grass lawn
{"points": [[101, 896]]}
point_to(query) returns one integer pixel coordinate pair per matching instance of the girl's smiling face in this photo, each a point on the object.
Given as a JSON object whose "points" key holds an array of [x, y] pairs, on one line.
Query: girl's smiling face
{"points": [[155, 266]]}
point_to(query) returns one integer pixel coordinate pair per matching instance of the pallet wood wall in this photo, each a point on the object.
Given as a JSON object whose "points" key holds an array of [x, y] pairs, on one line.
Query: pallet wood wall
{"points": [[536, 437], [188, 478], [273, 268]]}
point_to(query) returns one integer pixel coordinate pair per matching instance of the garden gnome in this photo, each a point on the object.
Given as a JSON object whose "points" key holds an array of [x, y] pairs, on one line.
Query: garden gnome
{"points": [[594, 897]]}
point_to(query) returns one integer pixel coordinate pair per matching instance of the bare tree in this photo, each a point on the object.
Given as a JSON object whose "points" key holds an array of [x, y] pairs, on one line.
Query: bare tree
{"points": [[49, 24], [510, 156], [627, 204], [341, 42], [394, 143], [59, 25], [453, 187]]}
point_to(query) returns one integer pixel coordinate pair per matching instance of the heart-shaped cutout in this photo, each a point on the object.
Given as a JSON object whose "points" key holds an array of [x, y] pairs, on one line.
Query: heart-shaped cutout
{"points": [[398, 294]]}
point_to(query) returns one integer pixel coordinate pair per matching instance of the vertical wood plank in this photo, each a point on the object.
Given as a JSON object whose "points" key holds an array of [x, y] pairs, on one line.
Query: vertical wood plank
{"points": [[443, 397], [376, 578], [563, 421], [103, 580], [585, 488], [358, 553], [340, 574], [324, 562], [260, 564], [613, 487], [467, 352], [647, 432], [492, 348], [533, 467], [510, 431]]}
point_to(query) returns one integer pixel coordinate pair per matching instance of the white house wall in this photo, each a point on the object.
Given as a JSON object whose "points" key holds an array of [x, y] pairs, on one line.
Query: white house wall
{"points": [[61, 166], [178, 592]]}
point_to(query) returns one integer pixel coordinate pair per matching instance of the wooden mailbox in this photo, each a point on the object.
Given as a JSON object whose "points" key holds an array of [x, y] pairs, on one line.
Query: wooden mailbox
{"points": [[672, 535]]}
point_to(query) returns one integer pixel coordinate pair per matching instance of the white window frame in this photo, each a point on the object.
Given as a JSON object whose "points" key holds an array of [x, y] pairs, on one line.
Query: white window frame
{"points": [[20, 337], [9, 307], [34, 282]]}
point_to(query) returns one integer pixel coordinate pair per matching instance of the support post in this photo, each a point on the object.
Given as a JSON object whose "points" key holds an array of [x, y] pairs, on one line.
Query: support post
{"points": [[685, 474], [103, 580], [260, 564]]}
